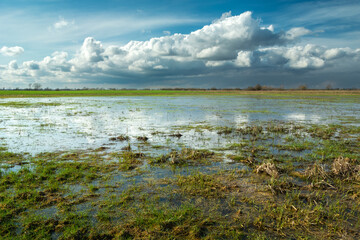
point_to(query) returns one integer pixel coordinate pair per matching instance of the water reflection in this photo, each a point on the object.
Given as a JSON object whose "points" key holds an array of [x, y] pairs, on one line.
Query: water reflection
{"points": [[89, 122], [314, 118], [241, 120]]}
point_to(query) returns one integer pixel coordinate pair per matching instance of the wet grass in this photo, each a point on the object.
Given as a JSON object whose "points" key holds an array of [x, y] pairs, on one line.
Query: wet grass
{"points": [[184, 157], [266, 180], [28, 104]]}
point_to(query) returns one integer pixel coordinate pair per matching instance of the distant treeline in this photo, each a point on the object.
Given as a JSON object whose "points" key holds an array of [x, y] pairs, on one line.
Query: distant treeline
{"points": [[257, 87]]}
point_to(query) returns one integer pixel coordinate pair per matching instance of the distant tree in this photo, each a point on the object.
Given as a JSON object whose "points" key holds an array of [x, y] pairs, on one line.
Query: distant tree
{"points": [[37, 86], [30, 85], [329, 87], [258, 87], [302, 87]]}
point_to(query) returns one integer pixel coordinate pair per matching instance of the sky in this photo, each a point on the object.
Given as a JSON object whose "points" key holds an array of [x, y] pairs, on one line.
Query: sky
{"points": [[156, 44]]}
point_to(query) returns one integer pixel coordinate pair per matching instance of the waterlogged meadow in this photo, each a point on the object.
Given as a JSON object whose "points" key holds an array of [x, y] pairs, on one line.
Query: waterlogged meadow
{"points": [[180, 167]]}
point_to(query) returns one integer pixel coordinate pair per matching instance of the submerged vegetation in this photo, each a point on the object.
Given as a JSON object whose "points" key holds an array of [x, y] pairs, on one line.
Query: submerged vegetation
{"points": [[27, 104], [263, 179]]}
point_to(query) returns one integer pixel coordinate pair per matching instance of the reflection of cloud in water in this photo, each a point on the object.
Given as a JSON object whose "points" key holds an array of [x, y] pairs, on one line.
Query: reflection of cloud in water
{"points": [[213, 118], [296, 116], [84, 123], [315, 118], [137, 123], [241, 119], [303, 117]]}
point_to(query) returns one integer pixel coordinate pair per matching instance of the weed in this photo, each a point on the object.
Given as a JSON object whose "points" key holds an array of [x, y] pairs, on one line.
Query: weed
{"points": [[317, 172], [120, 138], [341, 167], [142, 138], [268, 168]]}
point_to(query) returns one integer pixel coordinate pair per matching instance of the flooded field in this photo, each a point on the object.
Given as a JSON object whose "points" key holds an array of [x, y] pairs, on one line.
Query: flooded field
{"points": [[180, 167]]}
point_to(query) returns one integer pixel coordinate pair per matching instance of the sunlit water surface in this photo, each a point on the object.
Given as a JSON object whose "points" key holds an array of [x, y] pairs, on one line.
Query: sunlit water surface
{"points": [[90, 122]]}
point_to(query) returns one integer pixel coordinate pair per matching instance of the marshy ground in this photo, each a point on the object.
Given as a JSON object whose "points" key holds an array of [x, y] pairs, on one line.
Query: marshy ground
{"points": [[180, 167]]}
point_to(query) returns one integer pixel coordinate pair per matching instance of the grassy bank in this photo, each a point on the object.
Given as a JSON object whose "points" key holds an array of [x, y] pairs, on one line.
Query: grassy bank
{"points": [[86, 93]]}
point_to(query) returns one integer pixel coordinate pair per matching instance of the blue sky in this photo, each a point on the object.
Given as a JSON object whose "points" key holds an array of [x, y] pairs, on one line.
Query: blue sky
{"points": [[92, 43]]}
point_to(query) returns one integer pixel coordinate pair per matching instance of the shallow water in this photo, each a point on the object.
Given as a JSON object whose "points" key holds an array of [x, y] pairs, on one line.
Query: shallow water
{"points": [[90, 122], [115, 184]]}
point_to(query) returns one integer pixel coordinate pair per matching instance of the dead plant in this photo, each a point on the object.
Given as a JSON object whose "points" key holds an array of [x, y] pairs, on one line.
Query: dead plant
{"points": [[316, 171], [268, 168], [342, 167]]}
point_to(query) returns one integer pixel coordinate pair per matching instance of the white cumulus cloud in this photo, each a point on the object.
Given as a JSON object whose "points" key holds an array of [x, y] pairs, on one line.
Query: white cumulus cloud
{"points": [[230, 43], [297, 32], [62, 23], [11, 51], [306, 57], [13, 65]]}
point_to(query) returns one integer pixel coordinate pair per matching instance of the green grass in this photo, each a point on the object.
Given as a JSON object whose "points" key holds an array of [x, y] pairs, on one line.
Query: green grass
{"points": [[296, 145], [261, 94], [258, 111], [309, 191], [28, 104], [6, 156]]}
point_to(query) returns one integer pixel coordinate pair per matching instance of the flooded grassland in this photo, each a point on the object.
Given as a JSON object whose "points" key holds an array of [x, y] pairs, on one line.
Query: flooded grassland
{"points": [[180, 167]]}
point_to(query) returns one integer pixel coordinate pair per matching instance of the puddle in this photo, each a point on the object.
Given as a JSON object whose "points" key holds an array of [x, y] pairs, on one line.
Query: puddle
{"points": [[7, 168]]}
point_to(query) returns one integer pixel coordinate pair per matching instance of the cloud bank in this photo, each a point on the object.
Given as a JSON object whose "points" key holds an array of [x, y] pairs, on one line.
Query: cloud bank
{"points": [[229, 44]]}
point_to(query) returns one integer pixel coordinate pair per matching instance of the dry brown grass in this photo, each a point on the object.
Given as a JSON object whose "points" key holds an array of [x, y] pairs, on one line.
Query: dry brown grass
{"points": [[268, 168], [342, 167], [316, 171]]}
